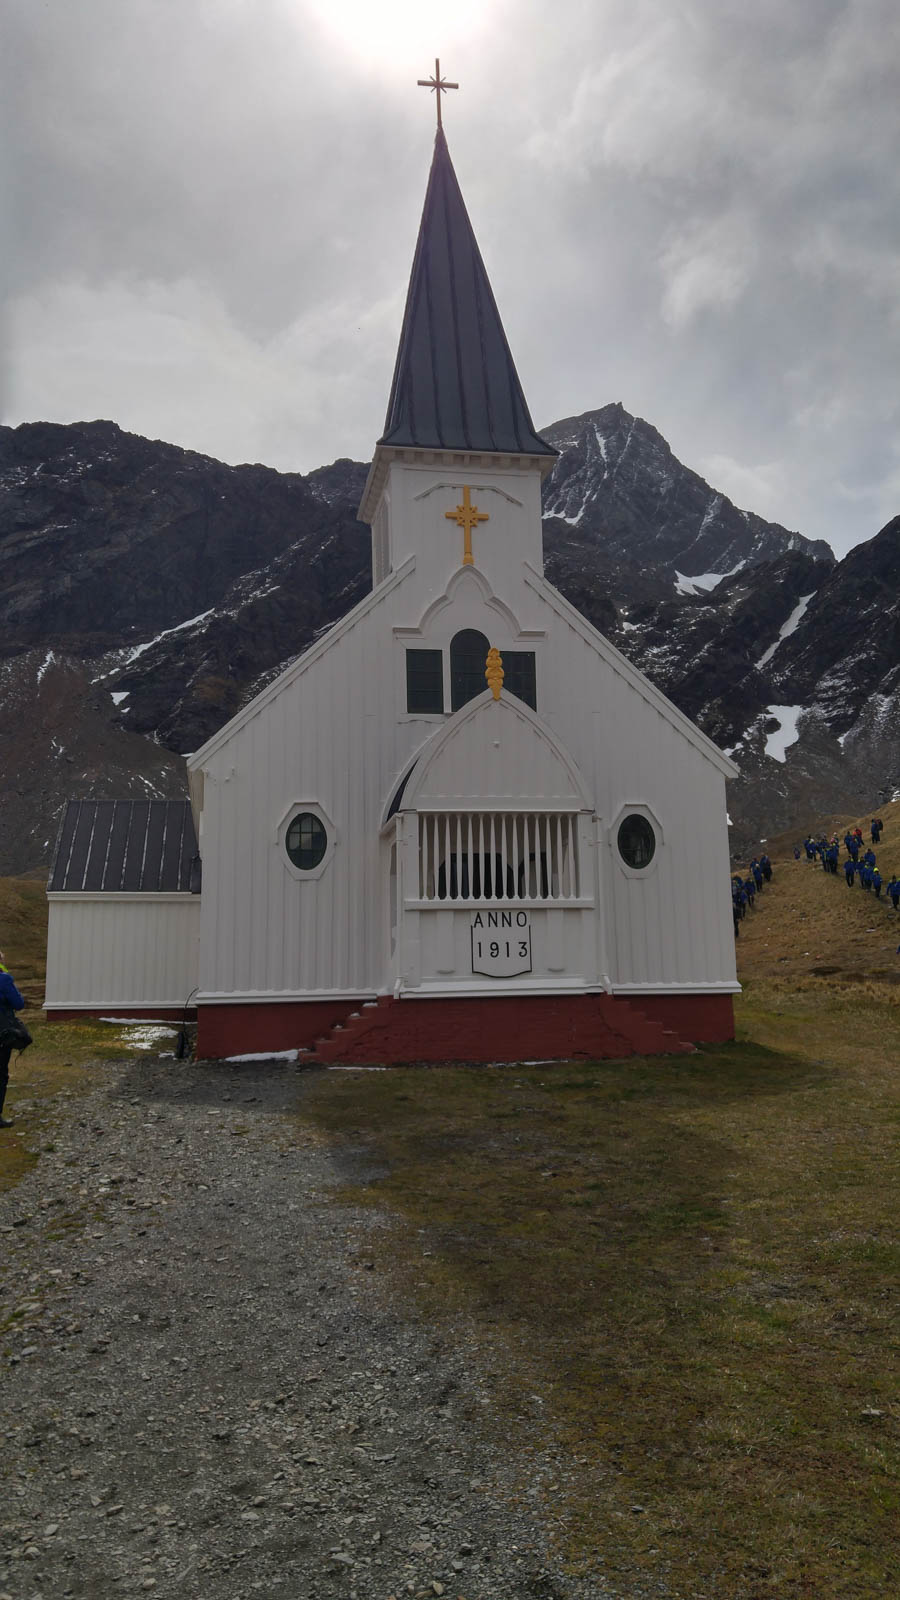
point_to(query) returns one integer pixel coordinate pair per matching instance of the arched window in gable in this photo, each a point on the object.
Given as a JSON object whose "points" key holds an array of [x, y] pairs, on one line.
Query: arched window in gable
{"points": [[468, 658]]}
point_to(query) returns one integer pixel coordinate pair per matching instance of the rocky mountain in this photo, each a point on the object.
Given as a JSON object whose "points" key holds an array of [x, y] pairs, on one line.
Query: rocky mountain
{"points": [[149, 591], [618, 481]]}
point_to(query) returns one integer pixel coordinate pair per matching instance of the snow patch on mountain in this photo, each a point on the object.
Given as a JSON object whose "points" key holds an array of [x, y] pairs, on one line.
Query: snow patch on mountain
{"points": [[788, 628], [786, 734], [180, 627], [703, 582]]}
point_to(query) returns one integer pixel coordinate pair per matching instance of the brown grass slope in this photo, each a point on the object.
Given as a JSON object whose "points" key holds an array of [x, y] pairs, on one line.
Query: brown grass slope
{"points": [[814, 922]]}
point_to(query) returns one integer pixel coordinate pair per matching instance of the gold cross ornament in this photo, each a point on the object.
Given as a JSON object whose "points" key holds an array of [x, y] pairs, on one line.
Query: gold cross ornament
{"points": [[467, 517], [439, 85]]}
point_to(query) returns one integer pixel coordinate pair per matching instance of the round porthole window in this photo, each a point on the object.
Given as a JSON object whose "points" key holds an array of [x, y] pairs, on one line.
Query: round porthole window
{"points": [[306, 841], [636, 840]]}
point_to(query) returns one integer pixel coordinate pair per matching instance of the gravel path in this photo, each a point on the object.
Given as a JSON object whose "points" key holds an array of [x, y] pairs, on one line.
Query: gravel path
{"points": [[207, 1387]]}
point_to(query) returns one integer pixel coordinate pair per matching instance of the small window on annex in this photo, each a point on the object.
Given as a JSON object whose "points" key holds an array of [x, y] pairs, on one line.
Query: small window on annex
{"points": [[468, 659], [306, 841], [636, 840], [425, 681]]}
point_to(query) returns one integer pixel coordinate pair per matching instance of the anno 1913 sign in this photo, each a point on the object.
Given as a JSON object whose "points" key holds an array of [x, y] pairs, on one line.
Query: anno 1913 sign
{"points": [[501, 943]]}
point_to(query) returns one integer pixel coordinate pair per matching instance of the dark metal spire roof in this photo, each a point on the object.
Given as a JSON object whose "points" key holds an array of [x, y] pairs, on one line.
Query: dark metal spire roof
{"points": [[455, 384]]}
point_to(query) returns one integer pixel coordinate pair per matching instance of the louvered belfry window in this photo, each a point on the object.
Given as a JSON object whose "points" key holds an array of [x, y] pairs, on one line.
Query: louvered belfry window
{"points": [[505, 856]]}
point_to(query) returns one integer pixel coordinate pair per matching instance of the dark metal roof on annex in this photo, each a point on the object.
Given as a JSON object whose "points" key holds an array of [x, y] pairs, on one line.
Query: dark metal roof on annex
{"points": [[455, 384], [125, 847]]}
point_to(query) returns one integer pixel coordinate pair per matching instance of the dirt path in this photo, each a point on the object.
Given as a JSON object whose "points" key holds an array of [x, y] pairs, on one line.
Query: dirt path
{"points": [[206, 1388]]}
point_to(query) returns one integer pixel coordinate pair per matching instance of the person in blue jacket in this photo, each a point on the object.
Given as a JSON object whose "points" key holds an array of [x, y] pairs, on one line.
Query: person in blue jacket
{"points": [[893, 889], [849, 869], [10, 1000], [876, 882]]}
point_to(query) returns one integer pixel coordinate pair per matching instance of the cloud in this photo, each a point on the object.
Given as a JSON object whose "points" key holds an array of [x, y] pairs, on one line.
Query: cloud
{"points": [[210, 209], [708, 266], [762, 488], [167, 360]]}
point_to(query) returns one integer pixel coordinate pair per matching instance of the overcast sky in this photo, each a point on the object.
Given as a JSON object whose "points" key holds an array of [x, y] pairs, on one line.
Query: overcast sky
{"points": [[209, 210]]}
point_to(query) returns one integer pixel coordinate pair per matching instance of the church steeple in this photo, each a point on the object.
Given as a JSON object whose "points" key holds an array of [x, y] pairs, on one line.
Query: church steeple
{"points": [[455, 384]]}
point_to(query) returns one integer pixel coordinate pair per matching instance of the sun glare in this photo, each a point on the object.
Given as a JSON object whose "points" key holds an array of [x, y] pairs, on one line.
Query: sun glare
{"points": [[408, 33]]}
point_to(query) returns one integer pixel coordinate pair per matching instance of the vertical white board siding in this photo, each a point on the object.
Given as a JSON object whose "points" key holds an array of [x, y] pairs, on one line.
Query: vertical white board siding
{"points": [[111, 950], [334, 732], [331, 739], [665, 927]]}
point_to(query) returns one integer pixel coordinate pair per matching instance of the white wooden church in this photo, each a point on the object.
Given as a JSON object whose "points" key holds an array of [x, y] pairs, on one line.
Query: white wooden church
{"points": [[461, 827]]}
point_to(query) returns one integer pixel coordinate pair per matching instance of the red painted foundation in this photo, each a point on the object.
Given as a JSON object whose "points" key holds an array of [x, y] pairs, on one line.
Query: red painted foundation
{"points": [[703, 1018], [495, 1028], [283, 1025]]}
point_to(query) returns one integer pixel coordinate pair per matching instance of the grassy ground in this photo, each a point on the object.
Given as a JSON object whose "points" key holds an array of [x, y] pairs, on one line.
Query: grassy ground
{"points": [[682, 1271], [679, 1272], [689, 1263]]}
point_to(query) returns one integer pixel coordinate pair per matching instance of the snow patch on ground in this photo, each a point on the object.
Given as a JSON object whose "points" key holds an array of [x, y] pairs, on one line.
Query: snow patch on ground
{"points": [[138, 1022], [786, 733], [789, 627], [268, 1055], [348, 1066], [118, 695], [48, 661], [143, 1036]]}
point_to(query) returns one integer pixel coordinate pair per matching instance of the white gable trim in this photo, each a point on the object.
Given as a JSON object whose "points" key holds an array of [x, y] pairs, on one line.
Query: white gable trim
{"points": [[624, 668], [295, 670], [508, 705], [469, 575], [476, 488]]}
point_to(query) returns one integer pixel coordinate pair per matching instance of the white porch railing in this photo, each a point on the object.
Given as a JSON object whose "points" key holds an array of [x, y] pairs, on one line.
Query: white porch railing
{"points": [[491, 855]]}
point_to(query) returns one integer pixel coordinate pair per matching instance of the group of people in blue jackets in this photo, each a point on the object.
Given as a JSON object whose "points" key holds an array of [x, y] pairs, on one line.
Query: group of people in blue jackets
{"points": [[745, 890], [861, 862]]}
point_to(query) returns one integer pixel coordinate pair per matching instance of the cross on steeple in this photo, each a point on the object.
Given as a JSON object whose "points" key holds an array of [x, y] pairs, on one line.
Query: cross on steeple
{"points": [[467, 517], [439, 85]]}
